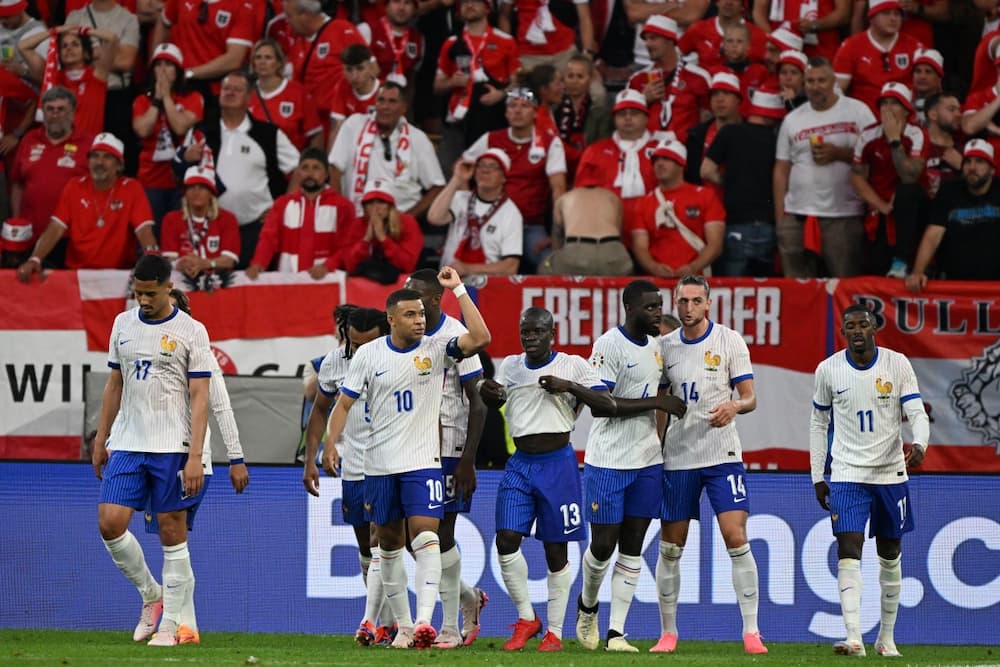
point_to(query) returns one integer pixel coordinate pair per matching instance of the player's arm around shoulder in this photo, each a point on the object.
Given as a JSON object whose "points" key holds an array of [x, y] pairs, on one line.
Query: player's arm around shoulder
{"points": [[586, 386], [478, 336]]}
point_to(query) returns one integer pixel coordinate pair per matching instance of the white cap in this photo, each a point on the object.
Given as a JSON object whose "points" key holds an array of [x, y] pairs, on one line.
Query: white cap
{"points": [[109, 143], [726, 81], [672, 150], [378, 189]]}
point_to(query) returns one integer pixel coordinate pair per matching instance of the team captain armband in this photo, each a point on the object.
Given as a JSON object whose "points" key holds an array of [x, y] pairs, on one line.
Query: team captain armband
{"points": [[453, 350]]}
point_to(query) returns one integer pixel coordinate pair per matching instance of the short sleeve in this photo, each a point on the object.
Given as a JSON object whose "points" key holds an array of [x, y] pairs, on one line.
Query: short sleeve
{"points": [[326, 382], [739, 360], [170, 235], [606, 361], [64, 208], [714, 210], [470, 367], [822, 398], [503, 370], [585, 374], [782, 150], [555, 162], [357, 374], [459, 204], [908, 388], [141, 213], [201, 361], [342, 153], [130, 31], [114, 361], [288, 154]]}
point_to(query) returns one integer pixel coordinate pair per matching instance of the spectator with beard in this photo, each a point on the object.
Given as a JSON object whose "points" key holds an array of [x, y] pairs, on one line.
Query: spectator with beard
{"points": [[944, 158], [305, 231]]}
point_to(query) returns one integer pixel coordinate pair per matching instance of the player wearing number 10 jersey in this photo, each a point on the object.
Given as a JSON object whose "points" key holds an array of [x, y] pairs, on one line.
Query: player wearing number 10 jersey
{"points": [[704, 362], [867, 389], [403, 374], [541, 485]]}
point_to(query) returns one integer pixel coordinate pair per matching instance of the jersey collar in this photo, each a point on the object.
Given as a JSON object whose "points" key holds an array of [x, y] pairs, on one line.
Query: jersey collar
{"points": [[711, 325], [847, 353], [437, 327], [169, 317], [388, 341], [541, 365], [642, 343]]}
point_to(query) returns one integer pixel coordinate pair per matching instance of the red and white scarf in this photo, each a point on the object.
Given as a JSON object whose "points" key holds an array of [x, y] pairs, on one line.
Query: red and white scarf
{"points": [[470, 249], [366, 144], [459, 106], [629, 177], [541, 24], [397, 74]]}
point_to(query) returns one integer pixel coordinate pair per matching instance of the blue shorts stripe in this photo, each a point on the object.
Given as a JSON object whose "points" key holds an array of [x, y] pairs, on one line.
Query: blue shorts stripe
{"points": [[543, 489], [611, 495]]}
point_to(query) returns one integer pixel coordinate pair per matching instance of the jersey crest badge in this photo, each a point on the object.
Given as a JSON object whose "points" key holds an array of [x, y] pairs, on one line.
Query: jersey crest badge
{"points": [[884, 389], [286, 109], [411, 49], [659, 359], [323, 50], [712, 361], [222, 19], [423, 365], [167, 346], [212, 243], [902, 60]]}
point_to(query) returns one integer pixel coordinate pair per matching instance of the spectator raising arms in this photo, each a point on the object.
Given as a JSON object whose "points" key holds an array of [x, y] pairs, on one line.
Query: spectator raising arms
{"points": [[77, 70]]}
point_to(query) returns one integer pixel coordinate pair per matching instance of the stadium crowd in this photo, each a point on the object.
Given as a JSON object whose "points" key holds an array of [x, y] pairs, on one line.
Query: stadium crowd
{"points": [[775, 137]]}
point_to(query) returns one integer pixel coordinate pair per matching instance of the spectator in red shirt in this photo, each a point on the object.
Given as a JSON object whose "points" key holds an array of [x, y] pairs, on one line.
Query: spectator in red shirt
{"points": [[314, 48], [357, 91], [868, 60], [735, 59], [160, 118], [889, 160], [97, 211], [398, 46], [385, 241], [704, 38], [215, 38], [305, 230], [78, 70], [677, 92], [283, 102], [547, 30], [819, 21], [917, 18], [47, 157], [684, 225], [201, 238]]}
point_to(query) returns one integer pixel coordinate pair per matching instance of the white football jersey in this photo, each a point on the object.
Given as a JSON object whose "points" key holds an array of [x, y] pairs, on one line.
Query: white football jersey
{"points": [[454, 404], [703, 373], [357, 432], [404, 402], [156, 359], [531, 409], [867, 415], [631, 369]]}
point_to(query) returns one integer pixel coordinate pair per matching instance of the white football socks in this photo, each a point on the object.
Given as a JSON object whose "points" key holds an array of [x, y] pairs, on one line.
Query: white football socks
{"points": [[559, 583], [427, 554], [890, 579], [624, 578], [451, 584], [366, 562], [374, 595], [668, 585], [849, 584], [745, 584], [514, 570], [593, 575], [394, 586], [178, 583], [126, 552]]}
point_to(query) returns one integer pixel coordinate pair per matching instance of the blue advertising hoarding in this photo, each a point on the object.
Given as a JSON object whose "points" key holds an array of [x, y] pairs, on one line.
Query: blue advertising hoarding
{"points": [[278, 560]]}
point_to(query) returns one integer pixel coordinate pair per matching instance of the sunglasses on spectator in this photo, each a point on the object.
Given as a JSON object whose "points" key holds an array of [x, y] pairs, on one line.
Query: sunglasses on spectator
{"points": [[386, 149], [525, 94]]}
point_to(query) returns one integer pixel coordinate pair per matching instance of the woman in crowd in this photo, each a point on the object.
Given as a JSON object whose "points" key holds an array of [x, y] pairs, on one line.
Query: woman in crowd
{"points": [[283, 102], [75, 68], [384, 241]]}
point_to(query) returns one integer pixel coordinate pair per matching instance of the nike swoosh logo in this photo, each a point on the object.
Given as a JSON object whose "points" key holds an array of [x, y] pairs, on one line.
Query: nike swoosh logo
{"points": [[381, 373], [391, 595], [841, 391], [738, 500], [122, 342], [571, 530], [434, 507], [631, 365], [672, 365], [889, 596], [749, 595], [844, 590]]}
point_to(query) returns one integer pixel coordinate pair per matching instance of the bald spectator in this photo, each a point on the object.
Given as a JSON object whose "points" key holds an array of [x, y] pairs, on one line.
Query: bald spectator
{"points": [[815, 207], [889, 160], [587, 230], [484, 225], [820, 22], [683, 224], [102, 214], [964, 227], [741, 161], [868, 60], [704, 38], [928, 72], [622, 162], [676, 92], [736, 59]]}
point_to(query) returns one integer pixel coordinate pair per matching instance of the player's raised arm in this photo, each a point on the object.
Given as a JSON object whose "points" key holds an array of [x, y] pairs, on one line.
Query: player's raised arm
{"points": [[479, 335]]}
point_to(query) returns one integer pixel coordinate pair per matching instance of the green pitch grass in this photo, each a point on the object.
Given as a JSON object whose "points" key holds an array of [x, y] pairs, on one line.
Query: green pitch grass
{"points": [[104, 649]]}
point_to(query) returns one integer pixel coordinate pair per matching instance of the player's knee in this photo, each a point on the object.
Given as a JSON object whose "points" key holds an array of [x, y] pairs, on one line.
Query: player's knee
{"points": [[602, 544], [888, 549], [111, 529], [507, 542], [556, 556], [849, 545], [734, 536]]}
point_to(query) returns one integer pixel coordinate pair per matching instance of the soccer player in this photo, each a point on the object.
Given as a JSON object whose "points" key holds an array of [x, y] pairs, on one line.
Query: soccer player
{"points": [[867, 388], [542, 389], [364, 326], [623, 486], [403, 374], [704, 362], [463, 415], [154, 416]]}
